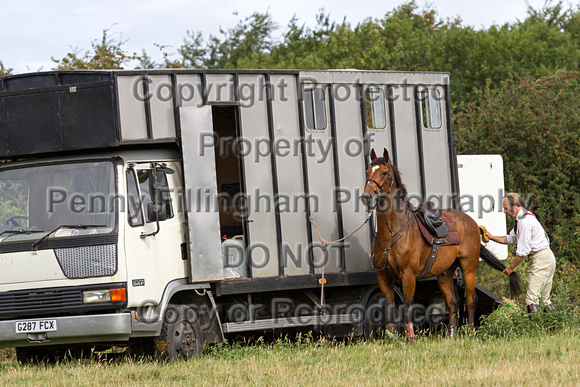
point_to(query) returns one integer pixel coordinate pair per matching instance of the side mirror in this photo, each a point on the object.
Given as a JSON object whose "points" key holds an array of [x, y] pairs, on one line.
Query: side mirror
{"points": [[158, 211]]}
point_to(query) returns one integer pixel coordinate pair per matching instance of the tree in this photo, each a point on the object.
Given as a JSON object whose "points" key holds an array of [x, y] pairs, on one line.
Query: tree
{"points": [[533, 123], [4, 71], [301, 47], [246, 45], [192, 51], [145, 61], [107, 53], [405, 39]]}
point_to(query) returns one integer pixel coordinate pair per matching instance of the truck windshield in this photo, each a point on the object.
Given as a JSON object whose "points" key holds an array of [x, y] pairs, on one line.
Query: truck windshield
{"points": [[56, 197]]}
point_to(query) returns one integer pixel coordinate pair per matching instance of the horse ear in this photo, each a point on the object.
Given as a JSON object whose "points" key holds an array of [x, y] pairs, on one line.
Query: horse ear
{"points": [[385, 154], [373, 155]]}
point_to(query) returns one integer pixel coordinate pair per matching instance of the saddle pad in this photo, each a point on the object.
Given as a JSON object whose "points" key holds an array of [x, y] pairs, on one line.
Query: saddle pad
{"points": [[452, 237]]}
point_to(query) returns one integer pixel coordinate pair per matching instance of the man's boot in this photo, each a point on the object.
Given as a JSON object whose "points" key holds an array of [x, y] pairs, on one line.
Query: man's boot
{"points": [[533, 308], [549, 307]]}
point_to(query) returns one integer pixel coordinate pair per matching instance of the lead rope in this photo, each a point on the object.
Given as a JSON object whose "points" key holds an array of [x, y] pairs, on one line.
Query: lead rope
{"points": [[325, 244]]}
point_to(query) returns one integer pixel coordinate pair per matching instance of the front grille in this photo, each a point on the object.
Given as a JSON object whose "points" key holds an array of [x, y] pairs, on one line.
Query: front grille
{"points": [[88, 261], [51, 302]]}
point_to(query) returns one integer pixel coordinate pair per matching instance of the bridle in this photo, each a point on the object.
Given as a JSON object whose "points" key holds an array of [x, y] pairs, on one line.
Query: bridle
{"points": [[398, 234], [379, 186]]}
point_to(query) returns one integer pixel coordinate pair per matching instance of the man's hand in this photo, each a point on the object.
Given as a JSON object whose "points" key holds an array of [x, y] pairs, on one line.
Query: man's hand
{"points": [[515, 263], [498, 239]]}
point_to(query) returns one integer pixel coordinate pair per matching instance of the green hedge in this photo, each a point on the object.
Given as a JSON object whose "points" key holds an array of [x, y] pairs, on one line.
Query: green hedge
{"points": [[535, 125]]}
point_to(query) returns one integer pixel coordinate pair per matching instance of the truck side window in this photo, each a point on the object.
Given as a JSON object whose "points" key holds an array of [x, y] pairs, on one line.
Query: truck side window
{"points": [[375, 108], [314, 109], [151, 186], [430, 108], [134, 208]]}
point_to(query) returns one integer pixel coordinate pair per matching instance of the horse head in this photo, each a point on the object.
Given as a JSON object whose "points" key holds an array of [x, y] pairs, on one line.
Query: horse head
{"points": [[380, 182]]}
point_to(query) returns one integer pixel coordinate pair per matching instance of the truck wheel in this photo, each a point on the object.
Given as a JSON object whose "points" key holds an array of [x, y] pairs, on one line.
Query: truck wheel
{"points": [[31, 355], [181, 336]]}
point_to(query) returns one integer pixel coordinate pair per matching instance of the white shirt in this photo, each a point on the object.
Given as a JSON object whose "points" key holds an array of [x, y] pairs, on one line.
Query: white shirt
{"points": [[530, 237]]}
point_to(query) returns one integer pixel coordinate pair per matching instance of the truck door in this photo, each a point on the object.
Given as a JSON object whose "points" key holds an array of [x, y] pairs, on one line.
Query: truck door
{"points": [[153, 235], [201, 195]]}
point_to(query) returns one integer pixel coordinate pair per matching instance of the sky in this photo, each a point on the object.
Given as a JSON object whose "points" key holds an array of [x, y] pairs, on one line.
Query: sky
{"points": [[34, 31]]}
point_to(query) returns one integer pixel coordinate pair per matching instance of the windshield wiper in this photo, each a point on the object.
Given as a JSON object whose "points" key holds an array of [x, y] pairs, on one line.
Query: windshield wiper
{"points": [[12, 232], [48, 234]]}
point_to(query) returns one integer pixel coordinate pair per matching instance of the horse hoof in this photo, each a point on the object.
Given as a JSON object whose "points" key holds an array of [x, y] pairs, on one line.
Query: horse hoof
{"points": [[391, 328], [409, 334]]}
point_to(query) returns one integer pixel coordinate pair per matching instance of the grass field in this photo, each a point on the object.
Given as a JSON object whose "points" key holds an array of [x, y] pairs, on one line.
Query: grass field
{"points": [[532, 360], [510, 347]]}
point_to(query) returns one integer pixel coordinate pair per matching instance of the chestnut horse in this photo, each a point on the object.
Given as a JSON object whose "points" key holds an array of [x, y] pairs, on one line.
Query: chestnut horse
{"points": [[400, 252]]}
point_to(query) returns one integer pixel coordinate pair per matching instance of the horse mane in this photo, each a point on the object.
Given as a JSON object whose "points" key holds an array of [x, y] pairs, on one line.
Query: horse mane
{"points": [[401, 191]]}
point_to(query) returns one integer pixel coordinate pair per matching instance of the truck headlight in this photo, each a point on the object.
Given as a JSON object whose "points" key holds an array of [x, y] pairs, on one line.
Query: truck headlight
{"points": [[104, 295]]}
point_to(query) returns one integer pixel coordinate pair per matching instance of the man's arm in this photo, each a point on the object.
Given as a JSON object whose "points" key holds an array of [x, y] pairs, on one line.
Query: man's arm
{"points": [[509, 239], [515, 263], [498, 239]]}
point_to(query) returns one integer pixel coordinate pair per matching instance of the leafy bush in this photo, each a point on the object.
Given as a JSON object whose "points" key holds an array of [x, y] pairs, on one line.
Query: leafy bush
{"points": [[534, 125], [511, 319], [567, 276]]}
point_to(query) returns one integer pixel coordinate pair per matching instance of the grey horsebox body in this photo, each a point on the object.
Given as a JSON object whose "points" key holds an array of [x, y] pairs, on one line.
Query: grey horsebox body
{"points": [[230, 168]]}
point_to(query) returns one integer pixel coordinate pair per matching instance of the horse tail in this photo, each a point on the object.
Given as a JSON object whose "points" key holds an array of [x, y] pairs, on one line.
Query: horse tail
{"points": [[491, 260]]}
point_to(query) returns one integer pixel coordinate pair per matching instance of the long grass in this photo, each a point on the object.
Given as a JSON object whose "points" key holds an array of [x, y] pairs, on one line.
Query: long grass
{"points": [[465, 359], [510, 347]]}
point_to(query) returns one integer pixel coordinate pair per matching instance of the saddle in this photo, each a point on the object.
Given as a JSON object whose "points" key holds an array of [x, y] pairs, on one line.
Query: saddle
{"points": [[435, 227], [437, 230], [428, 215]]}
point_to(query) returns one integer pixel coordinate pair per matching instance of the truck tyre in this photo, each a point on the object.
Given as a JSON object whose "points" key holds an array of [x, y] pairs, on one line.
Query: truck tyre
{"points": [[31, 355], [181, 335]]}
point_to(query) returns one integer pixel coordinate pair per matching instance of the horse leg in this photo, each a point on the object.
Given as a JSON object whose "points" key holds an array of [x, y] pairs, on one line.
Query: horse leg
{"points": [[387, 287], [469, 279], [447, 287], [409, 282]]}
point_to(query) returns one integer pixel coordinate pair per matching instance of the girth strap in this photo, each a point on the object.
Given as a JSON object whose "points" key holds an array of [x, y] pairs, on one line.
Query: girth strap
{"points": [[430, 260]]}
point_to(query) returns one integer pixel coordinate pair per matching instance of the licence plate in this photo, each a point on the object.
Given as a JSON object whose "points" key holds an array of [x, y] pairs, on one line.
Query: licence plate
{"points": [[35, 326]]}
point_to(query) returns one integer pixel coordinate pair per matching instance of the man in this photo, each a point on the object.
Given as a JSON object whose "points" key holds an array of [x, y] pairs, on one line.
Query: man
{"points": [[532, 242]]}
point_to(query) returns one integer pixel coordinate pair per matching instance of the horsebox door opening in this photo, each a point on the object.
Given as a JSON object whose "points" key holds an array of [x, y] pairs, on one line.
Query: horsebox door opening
{"points": [[227, 160]]}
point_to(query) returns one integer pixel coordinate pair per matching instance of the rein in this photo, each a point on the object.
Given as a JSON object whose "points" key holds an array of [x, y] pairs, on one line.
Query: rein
{"points": [[377, 189], [392, 242], [326, 243]]}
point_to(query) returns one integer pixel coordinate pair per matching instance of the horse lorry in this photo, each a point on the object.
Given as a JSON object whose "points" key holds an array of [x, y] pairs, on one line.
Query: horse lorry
{"points": [[163, 210]]}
